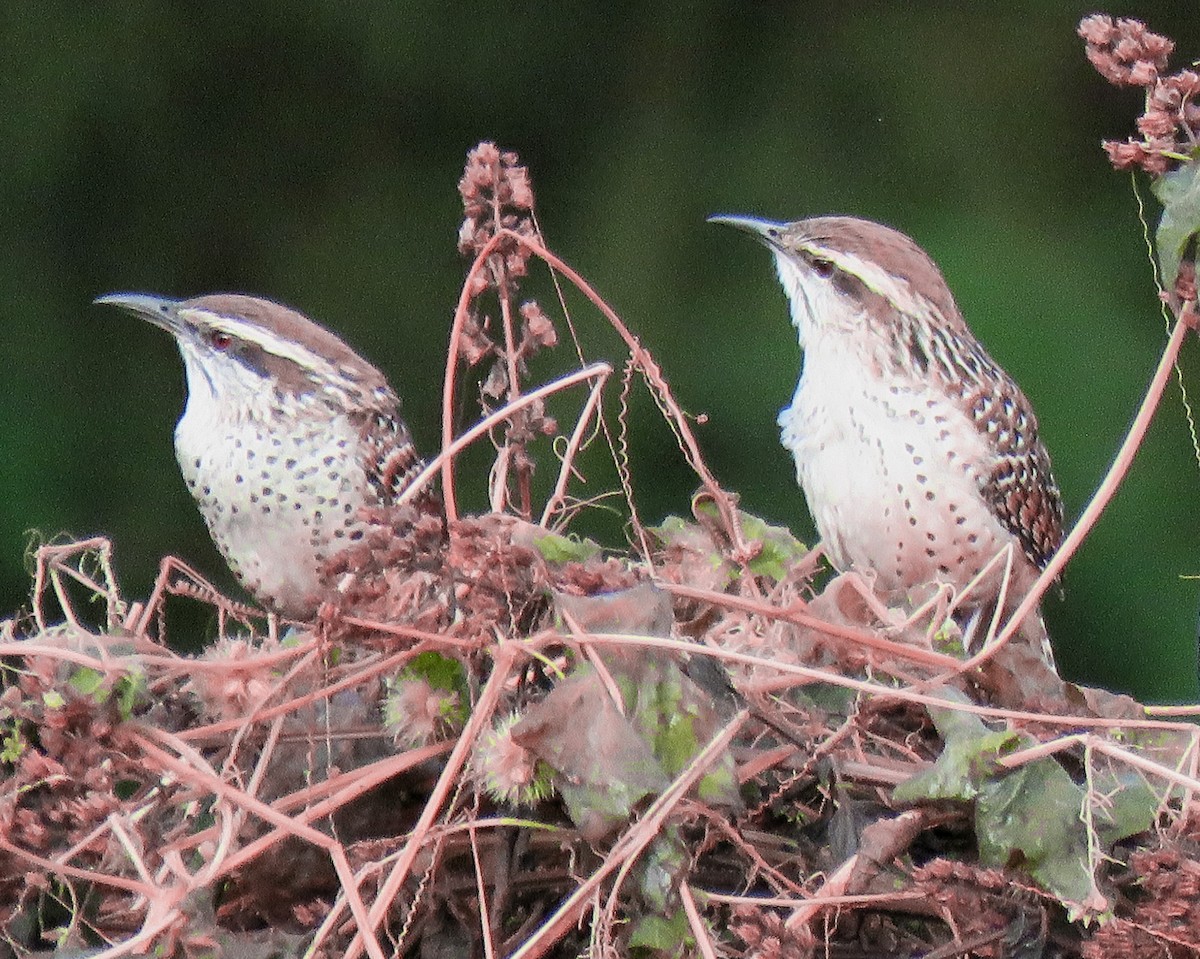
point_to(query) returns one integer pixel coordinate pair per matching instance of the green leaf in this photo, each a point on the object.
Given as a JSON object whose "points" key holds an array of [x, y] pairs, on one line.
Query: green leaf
{"points": [[689, 537], [12, 745], [780, 549], [603, 766], [441, 672], [565, 549], [678, 719], [129, 689], [89, 682], [1131, 806], [662, 868], [670, 528], [1179, 193], [835, 700], [430, 679], [1030, 816], [1033, 817], [127, 685], [968, 757], [660, 936]]}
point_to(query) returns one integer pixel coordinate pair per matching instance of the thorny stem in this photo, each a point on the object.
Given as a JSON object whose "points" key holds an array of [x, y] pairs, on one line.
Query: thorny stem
{"points": [[1188, 320]]}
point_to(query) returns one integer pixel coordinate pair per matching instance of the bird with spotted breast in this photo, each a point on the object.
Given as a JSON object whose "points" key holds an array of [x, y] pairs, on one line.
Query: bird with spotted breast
{"points": [[919, 457], [287, 436]]}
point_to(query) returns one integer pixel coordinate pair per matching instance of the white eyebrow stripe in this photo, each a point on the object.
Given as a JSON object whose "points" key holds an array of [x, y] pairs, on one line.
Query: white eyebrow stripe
{"points": [[264, 339], [876, 279]]}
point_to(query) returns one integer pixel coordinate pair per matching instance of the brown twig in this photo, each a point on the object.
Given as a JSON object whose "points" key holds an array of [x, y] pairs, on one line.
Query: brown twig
{"points": [[630, 845], [481, 715]]}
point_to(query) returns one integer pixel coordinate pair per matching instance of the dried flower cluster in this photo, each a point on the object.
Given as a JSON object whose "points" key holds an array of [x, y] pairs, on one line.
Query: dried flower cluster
{"points": [[1165, 914], [496, 194], [503, 579], [498, 208], [237, 687], [1126, 53]]}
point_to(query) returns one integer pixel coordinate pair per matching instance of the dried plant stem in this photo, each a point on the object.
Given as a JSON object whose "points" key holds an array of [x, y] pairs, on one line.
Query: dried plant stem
{"points": [[58, 653], [559, 496], [779, 902], [1099, 744], [197, 585], [486, 933], [443, 462], [835, 885], [197, 771], [504, 655], [55, 867], [461, 312], [649, 369], [859, 638], [642, 358], [396, 661], [52, 563], [524, 473], [345, 788], [811, 674], [630, 845], [699, 930]]}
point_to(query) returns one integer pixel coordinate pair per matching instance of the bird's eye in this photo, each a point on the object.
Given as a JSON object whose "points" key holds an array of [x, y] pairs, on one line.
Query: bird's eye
{"points": [[823, 268], [220, 340]]}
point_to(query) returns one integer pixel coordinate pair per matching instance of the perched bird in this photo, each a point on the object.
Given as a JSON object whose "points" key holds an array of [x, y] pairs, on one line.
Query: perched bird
{"points": [[288, 434], [918, 455]]}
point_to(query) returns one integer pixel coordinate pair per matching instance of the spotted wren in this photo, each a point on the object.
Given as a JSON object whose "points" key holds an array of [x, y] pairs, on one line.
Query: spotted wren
{"points": [[918, 455], [287, 436]]}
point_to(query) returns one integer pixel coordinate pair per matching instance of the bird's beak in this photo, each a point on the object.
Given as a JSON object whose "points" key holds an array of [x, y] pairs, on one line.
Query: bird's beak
{"points": [[161, 311], [768, 231]]}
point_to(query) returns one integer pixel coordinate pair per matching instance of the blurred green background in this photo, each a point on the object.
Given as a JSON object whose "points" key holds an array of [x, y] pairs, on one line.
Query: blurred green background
{"points": [[309, 152]]}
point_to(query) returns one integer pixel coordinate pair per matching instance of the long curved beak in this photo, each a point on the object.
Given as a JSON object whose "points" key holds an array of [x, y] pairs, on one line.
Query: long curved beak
{"points": [[767, 231], [162, 311]]}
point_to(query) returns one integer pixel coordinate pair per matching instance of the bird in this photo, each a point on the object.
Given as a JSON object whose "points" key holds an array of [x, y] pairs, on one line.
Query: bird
{"points": [[287, 436], [919, 456]]}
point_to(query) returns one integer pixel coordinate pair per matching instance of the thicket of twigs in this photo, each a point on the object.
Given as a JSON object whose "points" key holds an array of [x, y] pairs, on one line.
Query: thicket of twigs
{"points": [[499, 739]]}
